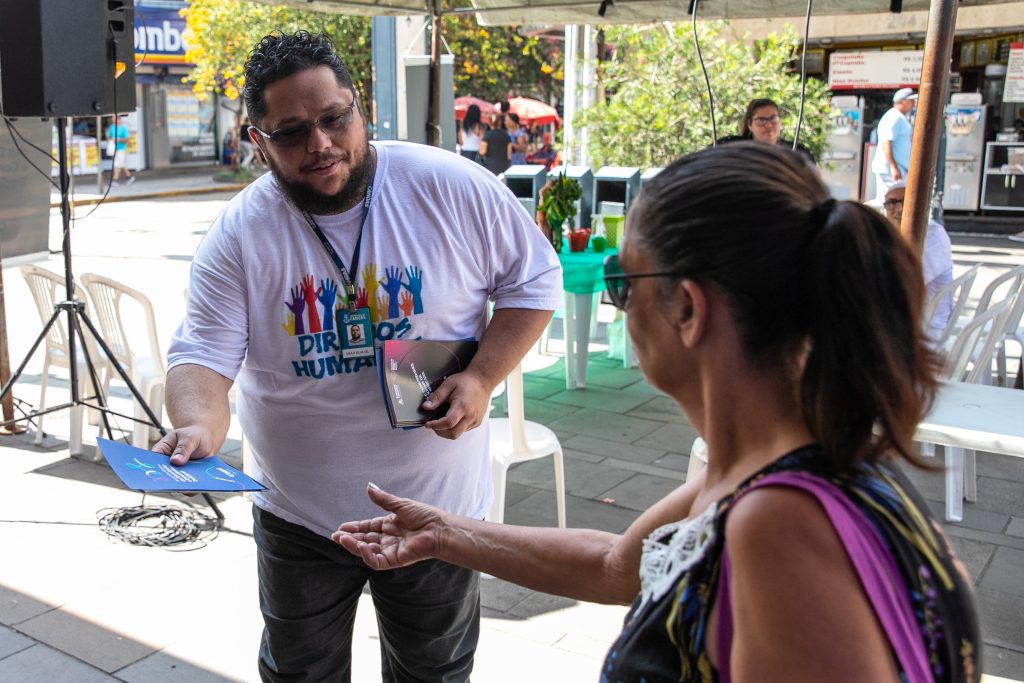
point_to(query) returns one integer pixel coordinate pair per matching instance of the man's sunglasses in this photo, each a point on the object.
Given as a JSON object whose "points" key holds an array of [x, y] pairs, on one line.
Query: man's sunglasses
{"points": [[331, 124], [616, 282]]}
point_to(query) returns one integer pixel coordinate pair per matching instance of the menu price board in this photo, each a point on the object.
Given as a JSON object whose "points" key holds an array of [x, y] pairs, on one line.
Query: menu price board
{"points": [[1013, 90], [888, 70]]}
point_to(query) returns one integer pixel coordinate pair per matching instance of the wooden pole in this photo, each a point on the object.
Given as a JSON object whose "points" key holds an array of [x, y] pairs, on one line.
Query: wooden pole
{"points": [[7, 428], [931, 100], [434, 107]]}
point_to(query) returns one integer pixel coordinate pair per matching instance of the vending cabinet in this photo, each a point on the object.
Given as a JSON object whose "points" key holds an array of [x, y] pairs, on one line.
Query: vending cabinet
{"points": [[965, 150], [840, 164]]}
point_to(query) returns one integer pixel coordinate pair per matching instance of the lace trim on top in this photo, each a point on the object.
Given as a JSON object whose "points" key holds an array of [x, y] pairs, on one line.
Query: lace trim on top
{"points": [[665, 559]]}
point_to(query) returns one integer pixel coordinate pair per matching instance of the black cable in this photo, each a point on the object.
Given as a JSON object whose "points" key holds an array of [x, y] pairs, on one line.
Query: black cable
{"points": [[15, 134], [99, 159], [707, 81], [803, 76], [158, 526]]}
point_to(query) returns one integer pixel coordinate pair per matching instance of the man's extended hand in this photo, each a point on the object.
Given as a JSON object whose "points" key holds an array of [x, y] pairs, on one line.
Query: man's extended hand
{"points": [[187, 443], [407, 535], [468, 401]]}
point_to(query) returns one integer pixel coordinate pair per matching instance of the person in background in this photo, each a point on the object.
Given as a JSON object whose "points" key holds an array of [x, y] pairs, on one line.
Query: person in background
{"points": [[342, 233], [471, 133], [894, 133], [763, 123], [117, 132], [496, 148], [936, 260], [518, 137], [786, 326], [247, 149], [545, 154]]}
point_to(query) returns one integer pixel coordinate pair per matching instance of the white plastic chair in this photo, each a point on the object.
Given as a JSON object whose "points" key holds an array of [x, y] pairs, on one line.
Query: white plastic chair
{"points": [[146, 370], [47, 290], [970, 360], [516, 439], [959, 288], [698, 457], [1012, 331]]}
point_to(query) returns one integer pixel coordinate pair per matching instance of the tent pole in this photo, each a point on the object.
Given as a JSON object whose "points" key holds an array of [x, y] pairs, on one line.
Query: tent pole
{"points": [[434, 106], [924, 150]]}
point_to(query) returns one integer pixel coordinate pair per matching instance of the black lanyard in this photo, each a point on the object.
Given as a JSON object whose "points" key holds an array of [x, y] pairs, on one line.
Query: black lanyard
{"points": [[347, 278]]}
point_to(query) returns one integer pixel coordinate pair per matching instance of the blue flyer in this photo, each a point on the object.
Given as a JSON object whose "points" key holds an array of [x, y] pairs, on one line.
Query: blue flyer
{"points": [[144, 470]]}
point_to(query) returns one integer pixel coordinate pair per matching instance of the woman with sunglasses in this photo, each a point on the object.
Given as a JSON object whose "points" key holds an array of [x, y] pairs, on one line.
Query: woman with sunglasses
{"points": [[763, 123], [786, 326]]}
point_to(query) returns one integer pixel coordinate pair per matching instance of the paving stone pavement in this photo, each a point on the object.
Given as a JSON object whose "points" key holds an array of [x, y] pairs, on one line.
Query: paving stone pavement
{"points": [[75, 606]]}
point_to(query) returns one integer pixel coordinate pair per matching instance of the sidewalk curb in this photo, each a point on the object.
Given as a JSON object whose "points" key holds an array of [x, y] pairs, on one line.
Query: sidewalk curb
{"points": [[85, 201]]}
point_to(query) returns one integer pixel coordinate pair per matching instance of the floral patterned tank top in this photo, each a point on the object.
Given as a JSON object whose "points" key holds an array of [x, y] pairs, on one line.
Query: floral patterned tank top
{"points": [[918, 590]]}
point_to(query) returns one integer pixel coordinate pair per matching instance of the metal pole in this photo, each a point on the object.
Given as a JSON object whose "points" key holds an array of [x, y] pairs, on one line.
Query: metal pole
{"points": [[434, 107], [924, 150], [65, 215]]}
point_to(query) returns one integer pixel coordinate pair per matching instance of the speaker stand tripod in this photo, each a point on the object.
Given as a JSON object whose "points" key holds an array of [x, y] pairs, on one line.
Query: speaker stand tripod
{"points": [[76, 317]]}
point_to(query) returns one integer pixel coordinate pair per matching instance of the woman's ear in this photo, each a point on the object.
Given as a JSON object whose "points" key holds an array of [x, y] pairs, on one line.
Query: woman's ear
{"points": [[692, 312]]}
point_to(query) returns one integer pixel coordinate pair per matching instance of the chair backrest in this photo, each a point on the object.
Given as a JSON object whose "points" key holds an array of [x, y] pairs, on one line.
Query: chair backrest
{"points": [[107, 299], [972, 351], [1005, 287], [959, 288], [47, 290], [516, 408]]}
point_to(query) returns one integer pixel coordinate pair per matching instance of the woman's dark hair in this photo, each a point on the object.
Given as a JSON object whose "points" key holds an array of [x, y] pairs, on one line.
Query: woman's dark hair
{"points": [[830, 287], [754, 105], [281, 55], [472, 119]]}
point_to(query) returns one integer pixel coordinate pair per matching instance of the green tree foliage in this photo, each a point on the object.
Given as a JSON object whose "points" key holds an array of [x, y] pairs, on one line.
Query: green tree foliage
{"points": [[490, 61], [221, 33], [656, 104]]}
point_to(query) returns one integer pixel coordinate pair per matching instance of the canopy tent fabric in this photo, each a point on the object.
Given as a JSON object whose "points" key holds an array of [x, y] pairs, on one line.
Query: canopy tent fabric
{"points": [[525, 12]]}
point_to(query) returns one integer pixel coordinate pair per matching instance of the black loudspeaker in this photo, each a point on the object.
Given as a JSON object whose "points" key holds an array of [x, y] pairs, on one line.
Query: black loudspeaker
{"points": [[67, 57]]}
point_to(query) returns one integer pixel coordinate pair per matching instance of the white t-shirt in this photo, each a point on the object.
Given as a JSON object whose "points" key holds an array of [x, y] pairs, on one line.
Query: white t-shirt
{"points": [[443, 235], [937, 264]]}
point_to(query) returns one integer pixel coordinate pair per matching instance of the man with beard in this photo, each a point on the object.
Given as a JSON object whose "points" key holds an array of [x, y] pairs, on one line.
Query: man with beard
{"points": [[409, 242]]}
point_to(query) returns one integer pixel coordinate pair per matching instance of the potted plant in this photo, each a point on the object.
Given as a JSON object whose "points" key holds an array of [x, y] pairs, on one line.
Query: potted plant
{"points": [[557, 205]]}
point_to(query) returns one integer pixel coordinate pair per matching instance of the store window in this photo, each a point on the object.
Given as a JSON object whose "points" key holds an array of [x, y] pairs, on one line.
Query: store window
{"points": [[191, 126]]}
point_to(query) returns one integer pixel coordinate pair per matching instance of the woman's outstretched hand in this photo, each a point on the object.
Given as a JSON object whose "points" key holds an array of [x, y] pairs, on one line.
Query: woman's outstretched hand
{"points": [[406, 536]]}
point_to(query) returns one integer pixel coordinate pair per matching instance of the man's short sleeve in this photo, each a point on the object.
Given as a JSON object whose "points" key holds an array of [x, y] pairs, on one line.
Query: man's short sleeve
{"points": [[214, 333], [524, 269]]}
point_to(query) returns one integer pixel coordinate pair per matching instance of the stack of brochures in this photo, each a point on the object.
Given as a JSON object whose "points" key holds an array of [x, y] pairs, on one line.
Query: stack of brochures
{"points": [[412, 370]]}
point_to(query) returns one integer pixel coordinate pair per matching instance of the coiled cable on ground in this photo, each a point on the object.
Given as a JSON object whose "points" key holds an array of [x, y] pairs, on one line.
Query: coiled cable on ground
{"points": [[158, 526]]}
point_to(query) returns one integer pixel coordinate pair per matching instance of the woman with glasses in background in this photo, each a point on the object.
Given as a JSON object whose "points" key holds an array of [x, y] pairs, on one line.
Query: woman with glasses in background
{"points": [[763, 123], [786, 326]]}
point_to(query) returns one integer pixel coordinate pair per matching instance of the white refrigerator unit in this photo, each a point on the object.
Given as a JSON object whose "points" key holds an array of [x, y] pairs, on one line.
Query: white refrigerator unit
{"points": [[965, 152], [840, 163]]}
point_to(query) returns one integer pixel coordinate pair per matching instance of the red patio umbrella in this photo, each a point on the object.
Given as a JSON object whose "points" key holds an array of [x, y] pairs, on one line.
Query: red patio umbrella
{"points": [[462, 104], [530, 110]]}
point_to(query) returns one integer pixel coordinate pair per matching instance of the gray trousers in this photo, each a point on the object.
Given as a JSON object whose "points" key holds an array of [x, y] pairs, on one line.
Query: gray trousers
{"points": [[428, 614]]}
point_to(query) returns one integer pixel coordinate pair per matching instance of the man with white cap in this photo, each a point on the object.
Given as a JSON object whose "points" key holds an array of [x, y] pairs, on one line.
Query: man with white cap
{"points": [[936, 259], [892, 160]]}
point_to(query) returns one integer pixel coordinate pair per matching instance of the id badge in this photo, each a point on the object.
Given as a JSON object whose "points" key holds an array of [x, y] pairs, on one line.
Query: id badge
{"points": [[356, 333]]}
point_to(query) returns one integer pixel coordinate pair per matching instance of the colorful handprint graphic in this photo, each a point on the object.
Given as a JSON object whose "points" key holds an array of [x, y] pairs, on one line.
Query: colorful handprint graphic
{"points": [[326, 295], [415, 288], [296, 306], [392, 284], [309, 293]]}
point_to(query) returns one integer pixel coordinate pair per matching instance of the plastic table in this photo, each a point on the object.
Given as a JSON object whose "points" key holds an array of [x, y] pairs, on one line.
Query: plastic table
{"points": [[977, 417], [582, 277]]}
